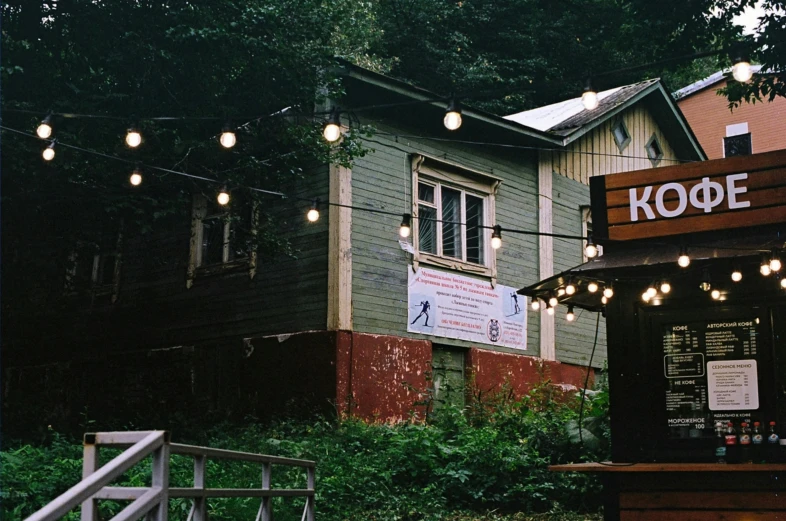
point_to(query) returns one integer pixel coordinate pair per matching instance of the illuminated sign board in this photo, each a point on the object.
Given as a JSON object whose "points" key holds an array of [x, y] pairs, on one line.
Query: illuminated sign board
{"points": [[703, 196]]}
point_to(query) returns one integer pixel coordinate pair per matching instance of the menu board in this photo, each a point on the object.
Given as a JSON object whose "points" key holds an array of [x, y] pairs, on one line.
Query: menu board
{"points": [[710, 368]]}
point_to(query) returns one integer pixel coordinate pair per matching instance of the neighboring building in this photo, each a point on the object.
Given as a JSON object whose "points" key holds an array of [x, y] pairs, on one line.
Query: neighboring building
{"points": [[344, 323], [750, 128]]}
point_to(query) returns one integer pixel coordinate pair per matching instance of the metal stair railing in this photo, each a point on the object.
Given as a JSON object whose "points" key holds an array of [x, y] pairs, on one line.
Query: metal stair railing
{"points": [[152, 502]]}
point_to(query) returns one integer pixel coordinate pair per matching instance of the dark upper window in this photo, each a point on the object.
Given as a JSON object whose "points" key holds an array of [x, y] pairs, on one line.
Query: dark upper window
{"points": [[739, 145], [654, 150], [621, 135]]}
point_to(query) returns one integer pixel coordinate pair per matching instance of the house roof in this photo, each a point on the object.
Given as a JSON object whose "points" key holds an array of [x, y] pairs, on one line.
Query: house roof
{"points": [[708, 82], [570, 120]]}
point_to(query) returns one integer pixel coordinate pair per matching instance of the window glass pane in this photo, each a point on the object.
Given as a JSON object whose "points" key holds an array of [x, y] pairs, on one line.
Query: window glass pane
{"points": [[474, 230], [737, 145], [620, 134], [451, 219], [212, 241], [426, 193], [427, 229]]}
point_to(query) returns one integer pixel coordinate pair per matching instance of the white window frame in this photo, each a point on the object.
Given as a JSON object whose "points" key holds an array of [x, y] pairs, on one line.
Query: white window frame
{"points": [[196, 266], [440, 173]]}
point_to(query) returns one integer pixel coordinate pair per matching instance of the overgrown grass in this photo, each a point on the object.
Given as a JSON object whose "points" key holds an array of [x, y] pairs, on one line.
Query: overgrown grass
{"points": [[483, 462]]}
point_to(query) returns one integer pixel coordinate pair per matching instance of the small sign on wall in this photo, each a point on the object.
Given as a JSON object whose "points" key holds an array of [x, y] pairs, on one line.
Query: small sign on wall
{"points": [[449, 305], [733, 385]]}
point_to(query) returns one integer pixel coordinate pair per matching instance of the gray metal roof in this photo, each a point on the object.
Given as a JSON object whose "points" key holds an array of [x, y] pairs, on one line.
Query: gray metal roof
{"points": [[708, 82]]}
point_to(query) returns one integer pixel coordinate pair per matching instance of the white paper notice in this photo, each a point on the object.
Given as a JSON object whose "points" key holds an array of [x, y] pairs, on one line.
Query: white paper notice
{"points": [[733, 385]]}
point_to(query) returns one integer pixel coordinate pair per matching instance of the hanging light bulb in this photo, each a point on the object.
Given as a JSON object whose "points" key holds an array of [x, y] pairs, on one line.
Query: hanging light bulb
{"points": [[592, 287], [49, 152], [646, 296], [570, 289], [608, 292], [44, 130], [765, 268], [452, 119], [775, 261], [683, 260], [705, 284], [496, 237], [535, 304], [406, 225], [560, 292], [313, 213], [783, 283], [604, 299], [332, 129], [227, 137], [550, 310], [590, 97], [553, 301], [651, 290], [665, 287], [736, 275], [223, 196], [590, 250], [133, 137], [571, 316], [741, 64], [136, 177], [715, 294]]}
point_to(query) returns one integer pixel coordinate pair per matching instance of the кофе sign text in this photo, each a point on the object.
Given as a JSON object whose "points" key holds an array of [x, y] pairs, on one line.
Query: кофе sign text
{"points": [[703, 196]]}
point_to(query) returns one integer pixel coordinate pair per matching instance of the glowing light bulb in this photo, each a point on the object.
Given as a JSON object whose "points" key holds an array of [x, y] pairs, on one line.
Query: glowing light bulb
{"points": [[570, 316], [608, 292], [665, 287], [783, 283], [560, 292], [591, 251], [550, 310], [604, 299], [651, 291], [742, 71], [133, 138], [44, 130], [452, 119], [736, 275], [313, 213], [535, 304], [496, 237], [49, 153], [765, 270], [683, 260], [136, 178], [553, 301], [223, 197], [646, 296], [715, 294], [775, 264], [570, 289], [592, 287], [227, 139]]}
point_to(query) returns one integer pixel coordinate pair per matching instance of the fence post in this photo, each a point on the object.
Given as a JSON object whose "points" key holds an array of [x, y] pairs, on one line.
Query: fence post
{"points": [[311, 472], [267, 514], [89, 465], [161, 479], [200, 503]]}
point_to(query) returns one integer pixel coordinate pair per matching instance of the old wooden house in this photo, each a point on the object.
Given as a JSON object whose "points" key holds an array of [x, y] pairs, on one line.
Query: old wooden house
{"points": [[343, 323]]}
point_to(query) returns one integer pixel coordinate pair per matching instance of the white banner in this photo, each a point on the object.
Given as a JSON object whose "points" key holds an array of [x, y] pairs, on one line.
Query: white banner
{"points": [[454, 306]]}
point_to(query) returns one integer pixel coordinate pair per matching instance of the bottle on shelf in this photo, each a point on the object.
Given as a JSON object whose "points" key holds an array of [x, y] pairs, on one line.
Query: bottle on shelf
{"points": [[773, 447], [746, 454], [772, 434], [757, 440], [730, 437], [720, 443]]}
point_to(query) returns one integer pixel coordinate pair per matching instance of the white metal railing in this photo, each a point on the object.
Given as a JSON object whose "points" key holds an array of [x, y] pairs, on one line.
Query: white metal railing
{"points": [[153, 501]]}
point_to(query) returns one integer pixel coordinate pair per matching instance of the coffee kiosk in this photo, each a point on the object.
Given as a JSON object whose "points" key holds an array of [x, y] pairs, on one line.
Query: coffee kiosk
{"points": [[695, 308]]}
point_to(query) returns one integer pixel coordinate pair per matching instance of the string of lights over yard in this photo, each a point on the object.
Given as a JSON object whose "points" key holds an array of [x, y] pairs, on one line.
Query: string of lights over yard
{"points": [[452, 120]]}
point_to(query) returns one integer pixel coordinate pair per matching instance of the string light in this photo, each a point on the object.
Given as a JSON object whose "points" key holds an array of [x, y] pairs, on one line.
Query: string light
{"points": [[227, 138], [550, 310], [570, 289], [705, 284], [783, 283], [604, 299], [665, 287], [535, 304], [775, 261], [332, 129], [741, 65], [590, 250], [136, 177], [570, 316], [608, 292], [765, 268], [223, 196], [313, 213], [715, 294], [496, 237], [651, 291], [133, 137], [560, 292], [406, 225], [736, 275], [683, 260], [589, 97], [452, 119], [646, 296], [49, 152], [44, 130], [592, 287], [553, 301]]}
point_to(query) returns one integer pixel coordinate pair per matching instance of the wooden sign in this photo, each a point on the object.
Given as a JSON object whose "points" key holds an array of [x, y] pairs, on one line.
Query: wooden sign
{"points": [[735, 192]]}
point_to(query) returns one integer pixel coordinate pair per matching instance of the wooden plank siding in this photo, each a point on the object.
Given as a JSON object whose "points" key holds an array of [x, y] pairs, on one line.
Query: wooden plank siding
{"points": [[573, 340], [383, 180]]}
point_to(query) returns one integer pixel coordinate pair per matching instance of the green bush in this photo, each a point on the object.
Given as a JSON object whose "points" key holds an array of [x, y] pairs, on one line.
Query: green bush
{"points": [[464, 463]]}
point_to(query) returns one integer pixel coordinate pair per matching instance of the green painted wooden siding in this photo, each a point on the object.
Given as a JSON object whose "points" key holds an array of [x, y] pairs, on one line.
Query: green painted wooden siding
{"points": [[573, 340], [382, 179]]}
